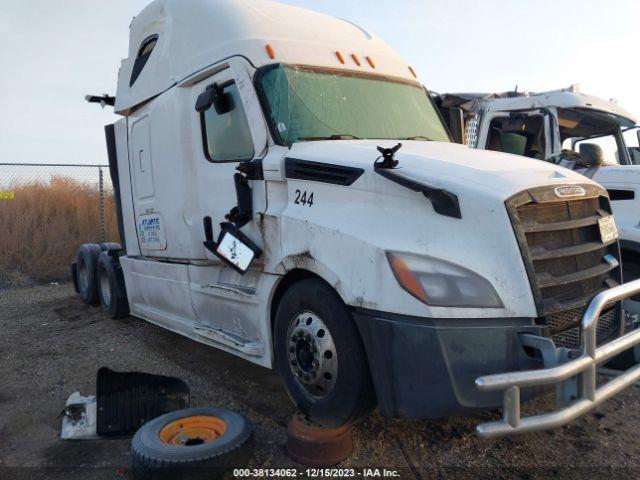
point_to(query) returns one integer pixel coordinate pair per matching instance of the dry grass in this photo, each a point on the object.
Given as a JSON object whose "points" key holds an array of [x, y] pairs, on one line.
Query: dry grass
{"points": [[42, 226]]}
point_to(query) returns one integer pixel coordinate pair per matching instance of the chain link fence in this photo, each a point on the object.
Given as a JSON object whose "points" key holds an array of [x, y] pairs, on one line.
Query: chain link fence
{"points": [[46, 211]]}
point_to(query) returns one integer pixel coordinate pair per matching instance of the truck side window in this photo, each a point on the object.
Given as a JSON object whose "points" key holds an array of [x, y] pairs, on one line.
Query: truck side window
{"points": [[522, 136], [227, 137], [144, 52], [608, 143]]}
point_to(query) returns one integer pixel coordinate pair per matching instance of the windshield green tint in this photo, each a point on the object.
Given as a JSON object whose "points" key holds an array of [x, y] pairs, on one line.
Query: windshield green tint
{"points": [[309, 104]]}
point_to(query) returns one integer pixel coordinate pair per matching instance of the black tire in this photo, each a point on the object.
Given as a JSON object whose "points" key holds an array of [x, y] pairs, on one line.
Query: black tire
{"points": [[351, 398], [155, 458], [86, 272], [111, 288], [108, 246]]}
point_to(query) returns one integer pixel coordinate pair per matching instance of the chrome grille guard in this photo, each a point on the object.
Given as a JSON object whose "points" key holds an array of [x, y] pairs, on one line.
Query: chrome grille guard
{"points": [[584, 367]]}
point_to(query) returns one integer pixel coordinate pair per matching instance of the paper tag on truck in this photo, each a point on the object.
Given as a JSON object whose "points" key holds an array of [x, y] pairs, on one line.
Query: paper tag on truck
{"points": [[608, 229]]}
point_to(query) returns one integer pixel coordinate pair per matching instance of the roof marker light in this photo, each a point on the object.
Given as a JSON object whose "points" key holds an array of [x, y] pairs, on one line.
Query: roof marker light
{"points": [[356, 59], [340, 57], [413, 72], [270, 51], [370, 62]]}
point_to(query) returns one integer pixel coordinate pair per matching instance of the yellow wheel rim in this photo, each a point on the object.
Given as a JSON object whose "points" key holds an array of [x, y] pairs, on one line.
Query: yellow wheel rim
{"points": [[191, 431]]}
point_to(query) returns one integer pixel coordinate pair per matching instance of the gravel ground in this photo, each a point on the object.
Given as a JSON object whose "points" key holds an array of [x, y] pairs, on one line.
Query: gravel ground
{"points": [[51, 345]]}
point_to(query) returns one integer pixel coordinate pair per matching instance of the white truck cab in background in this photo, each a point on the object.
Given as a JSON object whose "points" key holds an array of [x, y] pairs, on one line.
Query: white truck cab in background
{"points": [[563, 126], [267, 209]]}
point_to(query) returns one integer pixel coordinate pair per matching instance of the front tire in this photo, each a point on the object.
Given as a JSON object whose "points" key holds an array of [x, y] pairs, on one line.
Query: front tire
{"points": [[320, 355]]}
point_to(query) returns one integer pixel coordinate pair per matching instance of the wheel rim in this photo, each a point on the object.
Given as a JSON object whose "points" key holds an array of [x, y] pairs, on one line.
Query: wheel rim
{"points": [[312, 355], [83, 275], [105, 288], [192, 431]]}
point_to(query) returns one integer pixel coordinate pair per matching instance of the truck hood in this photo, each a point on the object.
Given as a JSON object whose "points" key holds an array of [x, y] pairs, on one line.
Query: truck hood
{"points": [[448, 166]]}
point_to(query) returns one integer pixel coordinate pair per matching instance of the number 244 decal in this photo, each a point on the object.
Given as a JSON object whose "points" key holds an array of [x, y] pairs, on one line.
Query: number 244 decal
{"points": [[304, 198]]}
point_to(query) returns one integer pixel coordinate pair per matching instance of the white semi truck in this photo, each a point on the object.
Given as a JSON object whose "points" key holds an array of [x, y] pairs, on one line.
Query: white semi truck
{"points": [[591, 135], [287, 192]]}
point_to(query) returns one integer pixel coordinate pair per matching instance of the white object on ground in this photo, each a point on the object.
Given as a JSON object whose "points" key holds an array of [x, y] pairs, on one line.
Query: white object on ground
{"points": [[79, 418]]}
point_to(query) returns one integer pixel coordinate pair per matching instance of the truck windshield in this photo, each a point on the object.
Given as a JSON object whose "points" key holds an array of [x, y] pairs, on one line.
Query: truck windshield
{"points": [[315, 104], [580, 126]]}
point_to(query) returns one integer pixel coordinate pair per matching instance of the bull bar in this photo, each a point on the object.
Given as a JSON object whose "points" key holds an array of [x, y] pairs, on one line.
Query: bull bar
{"points": [[583, 367]]}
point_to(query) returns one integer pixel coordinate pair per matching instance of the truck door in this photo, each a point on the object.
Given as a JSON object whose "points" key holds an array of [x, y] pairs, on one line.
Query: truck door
{"points": [[149, 225], [225, 301], [526, 133]]}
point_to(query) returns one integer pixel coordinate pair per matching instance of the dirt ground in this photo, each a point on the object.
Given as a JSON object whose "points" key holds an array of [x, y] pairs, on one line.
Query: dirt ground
{"points": [[51, 345]]}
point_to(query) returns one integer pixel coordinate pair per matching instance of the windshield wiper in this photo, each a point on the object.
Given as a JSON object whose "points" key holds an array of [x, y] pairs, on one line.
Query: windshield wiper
{"points": [[337, 136], [418, 137]]}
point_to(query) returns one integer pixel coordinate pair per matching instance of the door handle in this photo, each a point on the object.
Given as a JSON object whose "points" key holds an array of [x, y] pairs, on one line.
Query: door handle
{"points": [[141, 159]]}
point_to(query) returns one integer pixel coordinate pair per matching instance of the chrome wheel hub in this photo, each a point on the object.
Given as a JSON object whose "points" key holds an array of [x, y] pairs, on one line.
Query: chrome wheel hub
{"points": [[312, 354]]}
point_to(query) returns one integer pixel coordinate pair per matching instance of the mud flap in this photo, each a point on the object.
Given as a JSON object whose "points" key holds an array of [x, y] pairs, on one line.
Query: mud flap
{"points": [[127, 400]]}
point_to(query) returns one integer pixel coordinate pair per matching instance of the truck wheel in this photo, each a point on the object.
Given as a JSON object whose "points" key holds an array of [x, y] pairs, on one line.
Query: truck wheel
{"points": [[320, 356], [191, 443], [111, 287], [86, 272], [110, 246]]}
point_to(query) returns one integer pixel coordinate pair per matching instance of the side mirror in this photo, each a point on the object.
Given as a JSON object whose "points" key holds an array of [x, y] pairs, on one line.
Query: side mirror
{"points": [[233, 247], [456, 124], [214, 95], [591, 155]]}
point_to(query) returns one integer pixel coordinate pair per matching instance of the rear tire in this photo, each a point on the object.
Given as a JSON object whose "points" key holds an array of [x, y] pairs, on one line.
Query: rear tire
{"points": [[320, 356], [111, 288], [108, 246], [86, 272]]}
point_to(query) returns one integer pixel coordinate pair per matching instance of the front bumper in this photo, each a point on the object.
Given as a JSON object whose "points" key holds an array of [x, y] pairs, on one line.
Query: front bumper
{"points": [[577, 375], [426, 368]]}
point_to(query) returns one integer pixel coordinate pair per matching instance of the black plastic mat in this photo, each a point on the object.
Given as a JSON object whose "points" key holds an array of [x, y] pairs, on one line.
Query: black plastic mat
{"points": [[127, 400]]}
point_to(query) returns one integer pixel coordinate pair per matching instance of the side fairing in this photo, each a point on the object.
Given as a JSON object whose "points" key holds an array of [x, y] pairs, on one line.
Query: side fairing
{"points": [[126, 192]]}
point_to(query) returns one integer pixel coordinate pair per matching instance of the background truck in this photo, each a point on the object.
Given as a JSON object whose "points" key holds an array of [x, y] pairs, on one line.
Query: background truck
{"points": [[593, 136], [288, 193]]}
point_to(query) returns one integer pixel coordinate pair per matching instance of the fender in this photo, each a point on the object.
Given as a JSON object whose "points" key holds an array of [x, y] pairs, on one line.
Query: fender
{"points": [[306, 261]]}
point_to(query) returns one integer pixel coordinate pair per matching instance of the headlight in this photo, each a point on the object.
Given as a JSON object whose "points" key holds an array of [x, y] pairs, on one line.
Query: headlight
{"points": [[442, 284]]}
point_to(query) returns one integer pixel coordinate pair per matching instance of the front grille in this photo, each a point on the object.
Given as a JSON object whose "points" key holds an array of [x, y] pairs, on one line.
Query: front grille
{"points": [[566, 260], [564, 327]]}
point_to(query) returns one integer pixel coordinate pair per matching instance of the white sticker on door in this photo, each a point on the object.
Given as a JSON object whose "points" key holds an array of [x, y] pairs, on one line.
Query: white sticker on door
{"points": [[151, 232]]}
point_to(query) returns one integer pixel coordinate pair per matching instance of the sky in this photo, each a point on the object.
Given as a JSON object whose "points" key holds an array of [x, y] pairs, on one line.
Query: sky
{"points": [[53, 53]]}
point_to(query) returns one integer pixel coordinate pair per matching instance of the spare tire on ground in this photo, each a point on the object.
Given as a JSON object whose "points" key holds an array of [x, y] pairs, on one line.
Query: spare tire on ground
{"points": [[192, 443], [111, 287], [86, 272]]}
